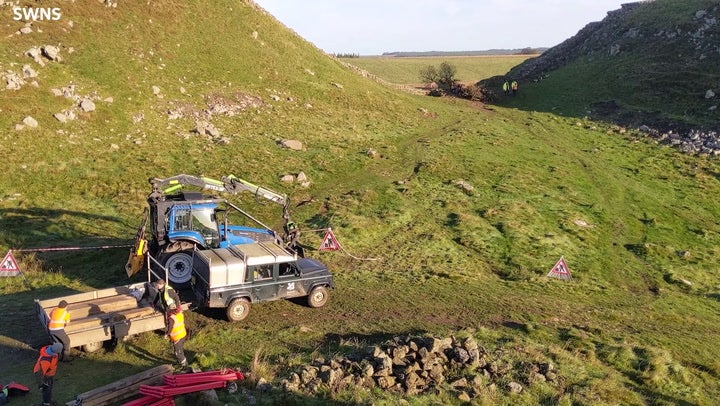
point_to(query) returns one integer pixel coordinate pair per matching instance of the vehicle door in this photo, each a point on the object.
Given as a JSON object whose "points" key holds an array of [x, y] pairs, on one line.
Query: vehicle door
{"points": [[264, 282], [289, 283]]}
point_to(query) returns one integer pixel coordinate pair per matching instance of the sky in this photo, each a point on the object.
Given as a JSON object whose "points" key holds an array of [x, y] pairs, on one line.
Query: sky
{"points": [[371, 27]]}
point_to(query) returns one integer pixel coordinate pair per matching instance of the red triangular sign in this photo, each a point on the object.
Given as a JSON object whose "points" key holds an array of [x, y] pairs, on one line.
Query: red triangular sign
{"points": [[560, 270], [329, 242], [9, 266]]}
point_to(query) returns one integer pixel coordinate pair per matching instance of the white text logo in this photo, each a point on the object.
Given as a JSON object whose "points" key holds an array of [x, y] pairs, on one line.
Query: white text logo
{"points": [[36, 14]]}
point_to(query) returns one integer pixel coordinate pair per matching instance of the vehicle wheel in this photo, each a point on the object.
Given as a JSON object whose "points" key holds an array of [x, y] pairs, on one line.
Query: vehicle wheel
{"points": [[92, 347], [238, 309], [318, 297], [179, 266]]}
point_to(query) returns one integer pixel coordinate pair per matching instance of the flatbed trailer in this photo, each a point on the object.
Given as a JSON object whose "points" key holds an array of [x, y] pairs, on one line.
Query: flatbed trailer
{"points": [[103, 315]]}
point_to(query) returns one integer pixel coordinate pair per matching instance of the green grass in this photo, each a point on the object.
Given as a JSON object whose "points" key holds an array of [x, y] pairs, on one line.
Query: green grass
{"points": [[406, 70], [633, 220]]}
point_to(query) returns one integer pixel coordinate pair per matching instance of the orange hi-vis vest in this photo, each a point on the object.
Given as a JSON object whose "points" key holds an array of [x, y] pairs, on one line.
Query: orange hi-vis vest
{"points": [[58, 318], [46, 363], [178, 330]]}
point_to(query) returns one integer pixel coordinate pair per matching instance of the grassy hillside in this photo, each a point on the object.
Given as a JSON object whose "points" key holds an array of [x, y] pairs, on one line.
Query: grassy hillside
{"points": [[655, 60], [635, 222]]}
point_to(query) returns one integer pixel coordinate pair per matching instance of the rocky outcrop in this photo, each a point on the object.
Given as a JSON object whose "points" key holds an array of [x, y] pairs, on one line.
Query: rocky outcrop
{"points": [[408, 366]]}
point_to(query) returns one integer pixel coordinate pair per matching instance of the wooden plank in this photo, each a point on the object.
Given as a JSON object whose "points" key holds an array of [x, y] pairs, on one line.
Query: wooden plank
{"points": [[106, 304], [133, 313], [85, 296], [123, 388], [85, 323]]}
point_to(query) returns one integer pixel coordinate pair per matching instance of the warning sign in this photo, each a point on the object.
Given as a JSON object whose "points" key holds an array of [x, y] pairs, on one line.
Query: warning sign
{"points": [[329, 242], [9, 266], [560, 270]]}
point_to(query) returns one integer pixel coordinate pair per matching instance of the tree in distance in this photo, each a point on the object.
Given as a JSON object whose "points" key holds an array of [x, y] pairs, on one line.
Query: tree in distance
{"points": [[443, 76]]}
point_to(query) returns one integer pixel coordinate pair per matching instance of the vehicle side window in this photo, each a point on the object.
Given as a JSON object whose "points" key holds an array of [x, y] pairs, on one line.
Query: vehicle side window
{"points": [[260, 272], [288, 269], [251, 273], [182, 220]]}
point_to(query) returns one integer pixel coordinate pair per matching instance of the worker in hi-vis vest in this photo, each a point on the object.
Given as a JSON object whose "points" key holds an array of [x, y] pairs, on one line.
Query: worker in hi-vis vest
{"points": [[59, 319], [177, 332], [45, 368]]}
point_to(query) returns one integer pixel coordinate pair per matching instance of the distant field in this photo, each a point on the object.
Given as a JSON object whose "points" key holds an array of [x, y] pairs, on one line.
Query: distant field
{"points": [[406, 70]]}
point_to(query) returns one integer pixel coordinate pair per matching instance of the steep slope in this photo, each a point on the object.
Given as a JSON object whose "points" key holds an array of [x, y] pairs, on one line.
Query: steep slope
{"points": [[154, 75], [650, 62]]}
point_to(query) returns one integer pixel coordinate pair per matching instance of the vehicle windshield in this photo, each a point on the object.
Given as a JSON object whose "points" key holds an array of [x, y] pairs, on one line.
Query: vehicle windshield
{"points": [[201, 220]]}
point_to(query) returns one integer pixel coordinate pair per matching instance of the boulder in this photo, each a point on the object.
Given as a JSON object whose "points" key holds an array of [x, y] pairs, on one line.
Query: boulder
{"points": [[87, 105], [292, 144], [30, 122], [51, 52]]}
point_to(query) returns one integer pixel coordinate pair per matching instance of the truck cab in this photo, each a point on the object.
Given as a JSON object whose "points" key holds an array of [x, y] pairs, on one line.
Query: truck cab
{"points": [[238, 275]]}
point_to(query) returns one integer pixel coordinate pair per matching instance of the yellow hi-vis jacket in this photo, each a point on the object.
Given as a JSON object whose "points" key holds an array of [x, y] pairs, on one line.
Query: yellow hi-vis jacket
{"points": [[177, 330], [58, 319]]}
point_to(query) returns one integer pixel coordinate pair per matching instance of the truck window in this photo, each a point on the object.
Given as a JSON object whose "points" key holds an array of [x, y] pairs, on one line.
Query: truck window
{"points": [[288, 269], [260, 272], [203, 221], [182, 220]]}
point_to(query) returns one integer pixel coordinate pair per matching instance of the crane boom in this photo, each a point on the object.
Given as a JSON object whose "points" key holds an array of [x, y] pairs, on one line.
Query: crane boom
{"points": [[230, 183]]}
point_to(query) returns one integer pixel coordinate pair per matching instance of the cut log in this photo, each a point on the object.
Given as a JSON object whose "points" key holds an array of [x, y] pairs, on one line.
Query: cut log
{"points": [[122, 389], [109, 304]]}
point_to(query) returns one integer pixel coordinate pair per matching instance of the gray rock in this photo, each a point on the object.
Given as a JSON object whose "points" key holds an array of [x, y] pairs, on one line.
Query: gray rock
{"points": [[301, 177], [514, 387], [60, 117], [292, 144], [14, 81], [25, 30], [35, 54], [709, 94], [212, 130], [51, 52], [56, 92], [87, 105], [464, 185], [287, 179], [30, 122], [29, 72], [156, 90]]}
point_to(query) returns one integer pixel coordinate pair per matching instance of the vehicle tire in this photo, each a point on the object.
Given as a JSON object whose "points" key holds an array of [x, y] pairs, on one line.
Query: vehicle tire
{"points": [[179, 266], [92, 347], [318, 297], [238, 309]]}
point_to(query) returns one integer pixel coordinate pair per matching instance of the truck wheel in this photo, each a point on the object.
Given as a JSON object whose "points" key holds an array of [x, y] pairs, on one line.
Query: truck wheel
{"points": [[238, 309], [179, 266], [318, 297], [92, 347]]}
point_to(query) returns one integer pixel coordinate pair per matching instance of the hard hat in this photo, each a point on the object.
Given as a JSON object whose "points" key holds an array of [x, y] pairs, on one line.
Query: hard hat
{"points": [[56, 348]]}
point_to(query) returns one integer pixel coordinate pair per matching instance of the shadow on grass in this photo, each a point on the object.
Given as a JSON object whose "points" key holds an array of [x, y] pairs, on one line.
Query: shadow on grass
{"points": [[78, 244], [20, 322]]}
